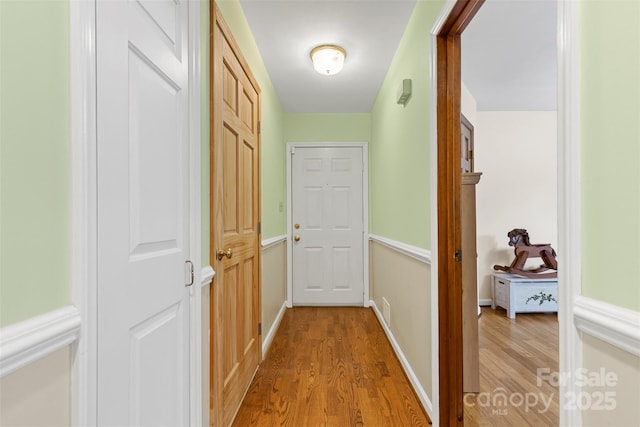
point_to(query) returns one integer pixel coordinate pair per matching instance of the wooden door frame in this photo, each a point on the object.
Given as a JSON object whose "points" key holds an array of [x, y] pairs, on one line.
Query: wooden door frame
{"points": [[448, 92], [216, 20], [365, 213]]}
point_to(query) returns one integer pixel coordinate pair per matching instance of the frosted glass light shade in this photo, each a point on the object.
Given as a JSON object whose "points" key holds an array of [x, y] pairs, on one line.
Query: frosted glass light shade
{"points": [[328, 59]]}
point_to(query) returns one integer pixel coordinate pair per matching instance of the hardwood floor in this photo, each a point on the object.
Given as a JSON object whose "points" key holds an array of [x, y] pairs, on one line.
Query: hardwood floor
{"points": [[335, 367], [330, 367], [511, 352]]}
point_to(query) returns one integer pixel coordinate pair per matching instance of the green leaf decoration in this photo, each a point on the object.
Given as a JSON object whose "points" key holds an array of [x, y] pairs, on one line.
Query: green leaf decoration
{"points": [[541, 297]]}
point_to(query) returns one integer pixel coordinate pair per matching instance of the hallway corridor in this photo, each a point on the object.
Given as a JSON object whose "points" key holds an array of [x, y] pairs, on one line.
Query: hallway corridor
{"points": [[330, 367]]}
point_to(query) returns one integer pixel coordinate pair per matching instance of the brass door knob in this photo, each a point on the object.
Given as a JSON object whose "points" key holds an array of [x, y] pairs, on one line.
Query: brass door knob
{"points": [[296, 226], [222, 253], [296, 238]]}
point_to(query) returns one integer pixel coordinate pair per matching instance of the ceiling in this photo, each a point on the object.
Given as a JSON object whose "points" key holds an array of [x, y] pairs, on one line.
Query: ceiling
{"points": [[508, 51], [509, 55], [286, 31]]}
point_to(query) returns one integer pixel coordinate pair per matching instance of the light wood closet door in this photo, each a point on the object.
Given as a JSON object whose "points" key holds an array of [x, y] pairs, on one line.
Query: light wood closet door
{"points": [[236, 227]]}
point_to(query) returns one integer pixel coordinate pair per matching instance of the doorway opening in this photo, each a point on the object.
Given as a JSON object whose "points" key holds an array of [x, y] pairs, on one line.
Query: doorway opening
{"points": [[509, 94], [448, 65], [450, 366]]}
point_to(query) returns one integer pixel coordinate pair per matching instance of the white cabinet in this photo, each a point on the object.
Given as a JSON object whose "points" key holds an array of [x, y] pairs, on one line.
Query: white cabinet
{"points": [[519, 294]]}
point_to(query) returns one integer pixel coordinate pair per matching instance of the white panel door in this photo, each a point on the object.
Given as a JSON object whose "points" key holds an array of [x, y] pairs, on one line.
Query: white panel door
{"points": [[143, 229], [328, 218]]}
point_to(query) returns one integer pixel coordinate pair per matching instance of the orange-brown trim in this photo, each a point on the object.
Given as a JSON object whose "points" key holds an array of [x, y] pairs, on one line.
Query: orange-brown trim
{"points": [[448, 197]]}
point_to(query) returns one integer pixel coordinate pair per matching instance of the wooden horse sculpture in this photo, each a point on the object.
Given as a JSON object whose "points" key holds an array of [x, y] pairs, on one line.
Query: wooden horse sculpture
{"points": [[519, 239]]}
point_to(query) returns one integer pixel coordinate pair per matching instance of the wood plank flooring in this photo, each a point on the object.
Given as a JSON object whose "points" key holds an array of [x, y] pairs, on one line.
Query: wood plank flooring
{"points": [[511, 352], [330, 367], [335, 367]]}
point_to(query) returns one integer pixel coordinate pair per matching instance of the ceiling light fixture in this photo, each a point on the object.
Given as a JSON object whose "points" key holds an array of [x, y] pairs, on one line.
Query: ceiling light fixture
{"points": [[328, 59]]}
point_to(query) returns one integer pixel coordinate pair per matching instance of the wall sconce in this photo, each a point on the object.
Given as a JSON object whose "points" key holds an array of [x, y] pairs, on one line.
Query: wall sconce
{"points": [[405, 92], [328, 59]]}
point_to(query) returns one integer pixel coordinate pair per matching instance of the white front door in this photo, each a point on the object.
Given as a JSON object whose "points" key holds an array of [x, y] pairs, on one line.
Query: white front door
{"points": [[143, 201], [328, 225]]}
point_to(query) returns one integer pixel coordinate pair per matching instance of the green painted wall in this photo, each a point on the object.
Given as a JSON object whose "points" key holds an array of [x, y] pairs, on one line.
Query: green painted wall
{"points": [[610, 99], [399, 166], [354, 127], [34, 158], [274, 219], [273, 147]]}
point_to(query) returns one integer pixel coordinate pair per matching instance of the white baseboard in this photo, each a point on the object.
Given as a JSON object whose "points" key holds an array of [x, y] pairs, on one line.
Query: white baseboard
{"points": [[422, 395], [610, 323], [27, 341], [266, 341], [484, 302]]}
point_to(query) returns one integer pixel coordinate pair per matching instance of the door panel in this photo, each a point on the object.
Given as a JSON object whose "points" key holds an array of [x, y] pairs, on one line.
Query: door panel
{"points": [[236, 343], [148, 340], [248, 192], [143, 230], [153, 102], [229, 182], [466, 145], [327, 185]]}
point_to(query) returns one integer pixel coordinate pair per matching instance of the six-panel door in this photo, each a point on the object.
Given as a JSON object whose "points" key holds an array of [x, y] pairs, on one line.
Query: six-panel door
{"points": [[143, 213], [327, 185]]}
